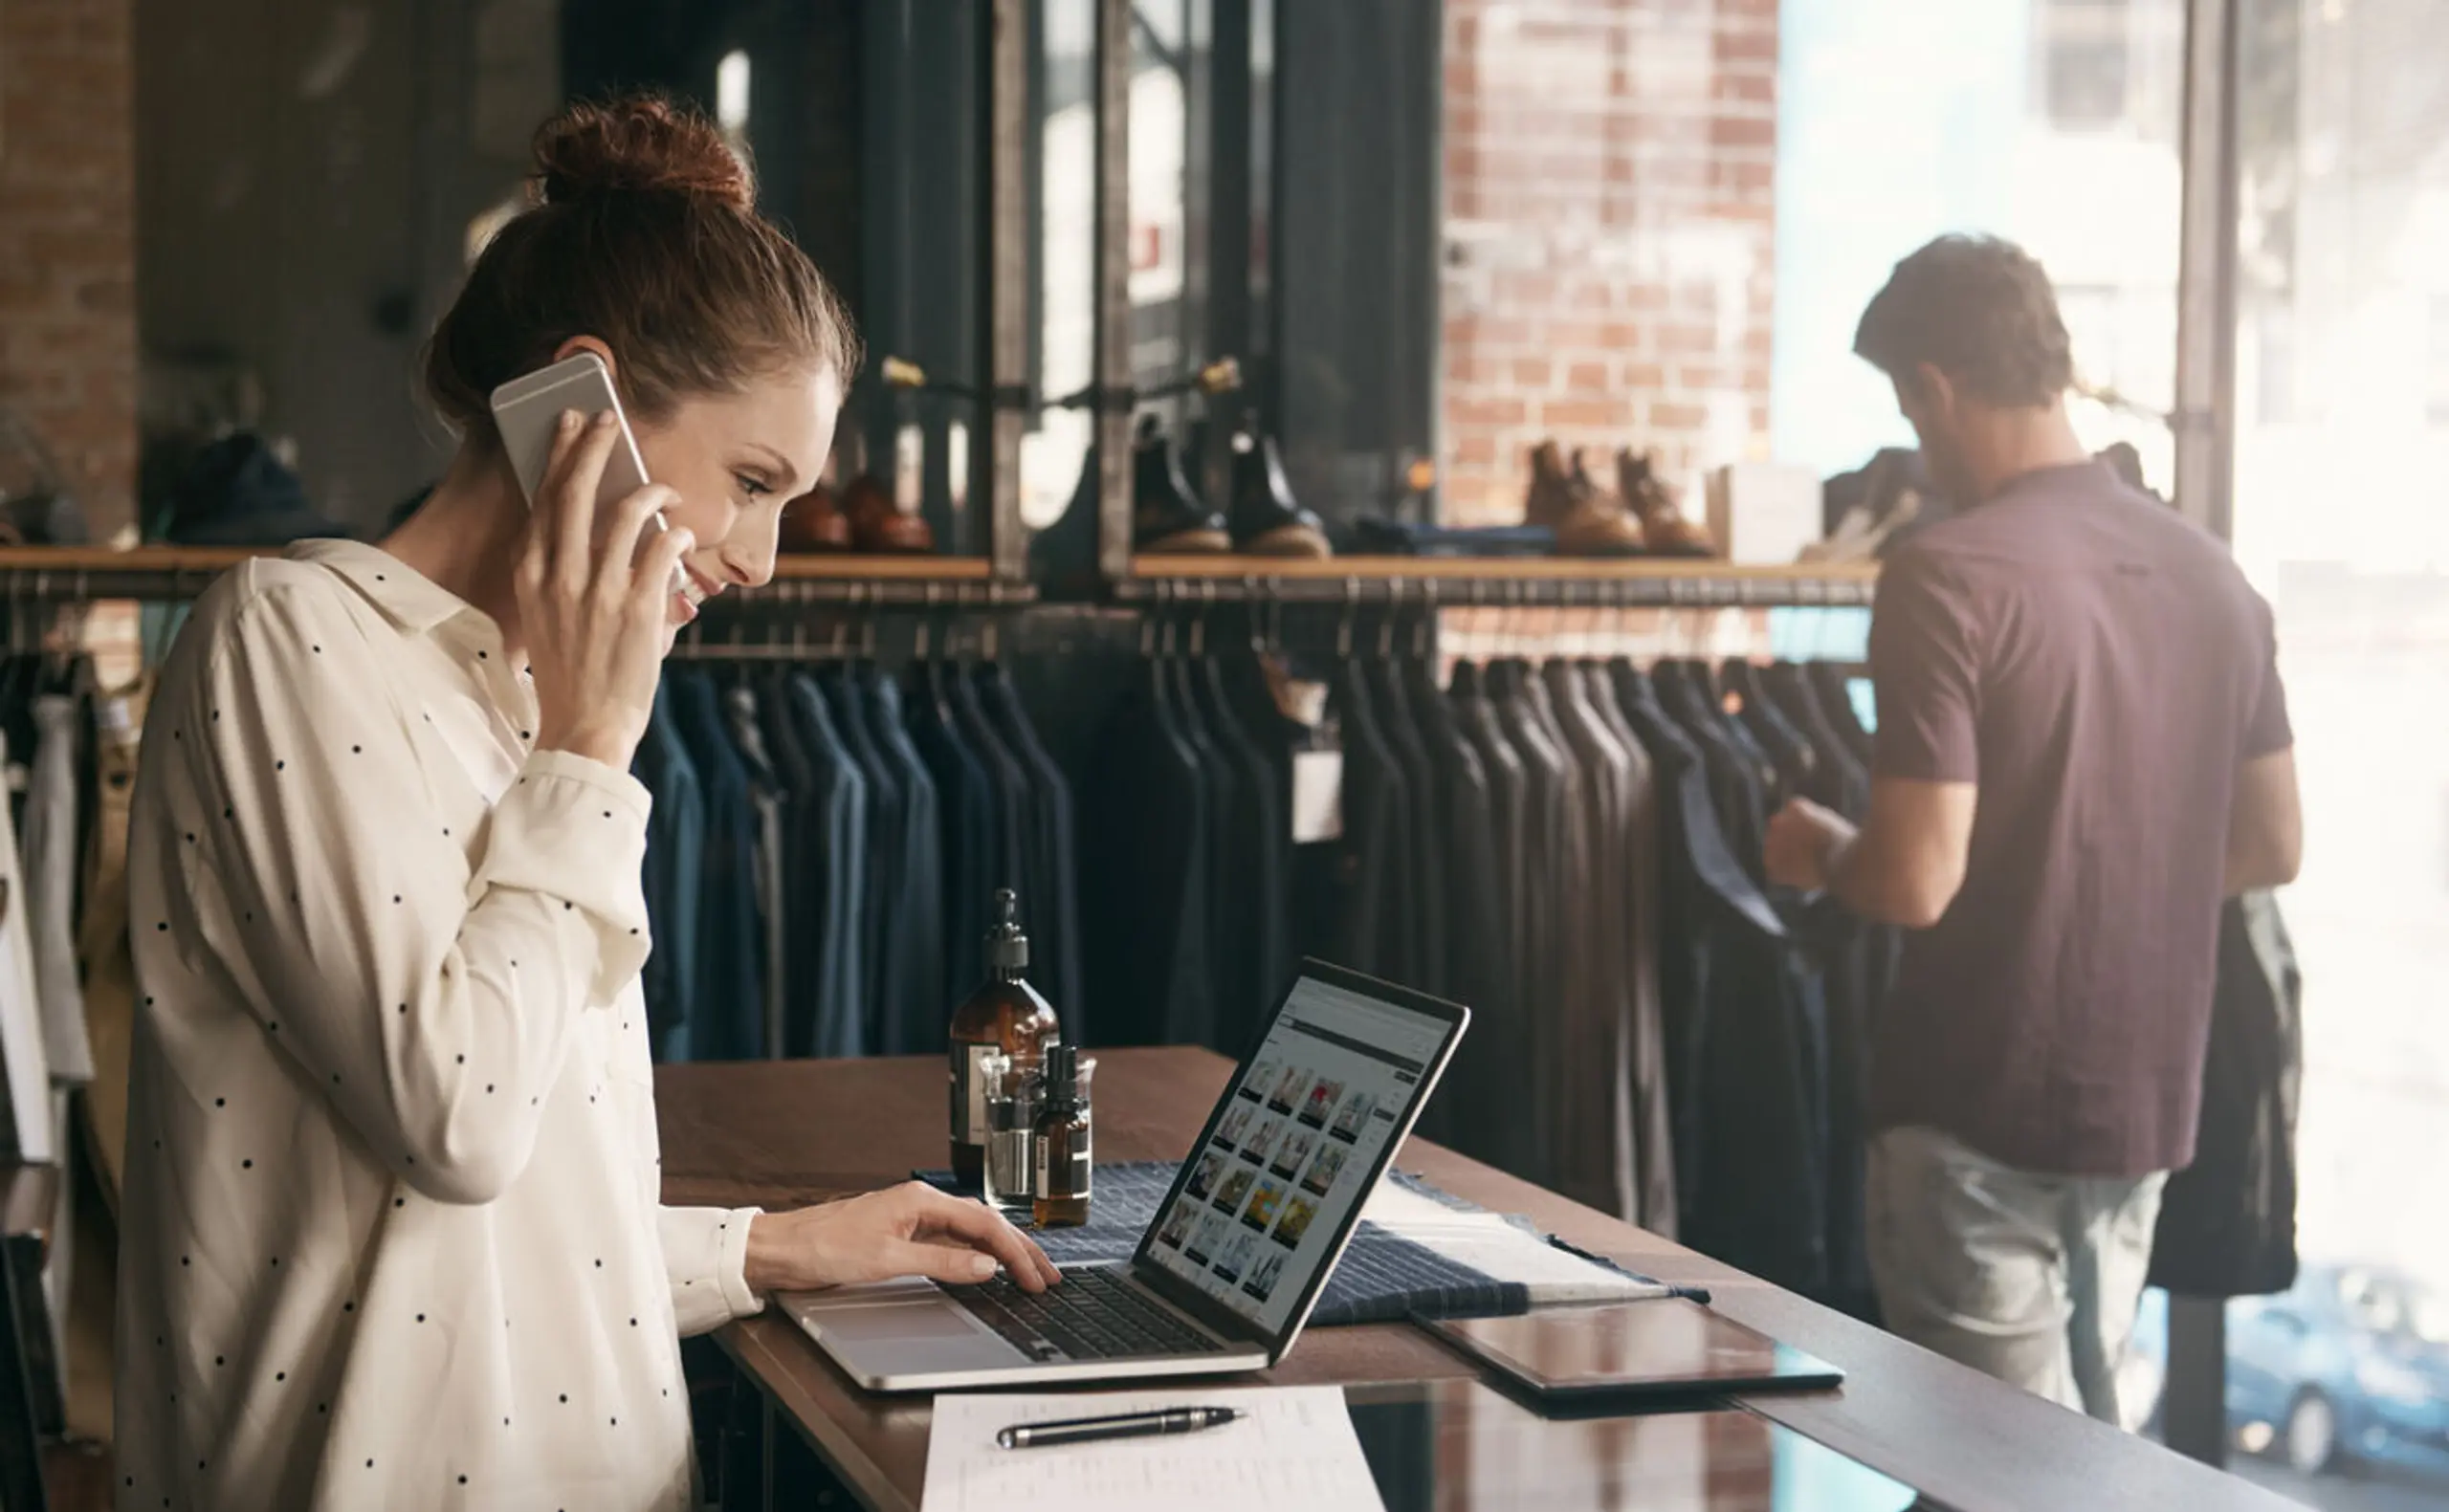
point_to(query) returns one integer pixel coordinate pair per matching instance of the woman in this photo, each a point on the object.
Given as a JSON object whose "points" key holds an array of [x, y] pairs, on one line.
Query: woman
{"points": [[391, 1233]]}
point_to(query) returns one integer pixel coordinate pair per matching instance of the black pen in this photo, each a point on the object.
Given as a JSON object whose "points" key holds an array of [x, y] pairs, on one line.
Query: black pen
{"points": [[1128, 1425]]}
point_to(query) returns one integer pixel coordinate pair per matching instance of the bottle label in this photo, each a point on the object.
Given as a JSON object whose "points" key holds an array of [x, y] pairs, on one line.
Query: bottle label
{"points": [[1050, 1163], [969, 1092]]}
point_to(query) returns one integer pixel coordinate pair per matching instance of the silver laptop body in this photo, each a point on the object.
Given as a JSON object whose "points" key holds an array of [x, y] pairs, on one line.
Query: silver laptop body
{"points": [[1234, 1260]]}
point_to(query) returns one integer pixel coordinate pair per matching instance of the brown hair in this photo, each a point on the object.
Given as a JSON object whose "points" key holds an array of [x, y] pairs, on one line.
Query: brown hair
{"points": [[643, 233], [1979, 310]]}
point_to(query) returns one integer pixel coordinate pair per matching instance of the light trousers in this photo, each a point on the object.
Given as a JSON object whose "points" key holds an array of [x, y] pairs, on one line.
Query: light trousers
{"points": [[2032, 1279]]}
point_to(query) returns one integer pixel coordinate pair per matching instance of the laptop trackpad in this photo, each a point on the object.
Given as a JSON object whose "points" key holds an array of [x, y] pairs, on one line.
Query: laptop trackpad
{"points": [[901, 1330], [922, 1321]]}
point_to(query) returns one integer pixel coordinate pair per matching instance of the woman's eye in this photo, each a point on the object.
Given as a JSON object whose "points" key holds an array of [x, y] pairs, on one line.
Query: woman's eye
{"points": [[752, 487]]}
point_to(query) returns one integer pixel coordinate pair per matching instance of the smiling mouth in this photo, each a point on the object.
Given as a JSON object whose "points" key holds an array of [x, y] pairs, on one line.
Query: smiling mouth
{"points": [[696, 588]]}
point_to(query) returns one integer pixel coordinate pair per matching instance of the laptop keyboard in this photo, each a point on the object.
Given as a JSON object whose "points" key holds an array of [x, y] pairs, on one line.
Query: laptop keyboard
{"points": [[1096, 1314]]}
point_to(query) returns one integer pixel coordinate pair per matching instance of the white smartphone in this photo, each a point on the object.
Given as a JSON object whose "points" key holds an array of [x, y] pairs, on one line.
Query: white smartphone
{"points": [[528, 411]]}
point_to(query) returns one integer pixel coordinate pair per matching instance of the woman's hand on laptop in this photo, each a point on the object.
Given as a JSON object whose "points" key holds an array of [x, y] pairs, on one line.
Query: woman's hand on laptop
{"points": [[908, 1230]]}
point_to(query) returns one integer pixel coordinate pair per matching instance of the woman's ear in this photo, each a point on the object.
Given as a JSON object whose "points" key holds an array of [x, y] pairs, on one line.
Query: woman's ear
{"points": [[588, 343]]}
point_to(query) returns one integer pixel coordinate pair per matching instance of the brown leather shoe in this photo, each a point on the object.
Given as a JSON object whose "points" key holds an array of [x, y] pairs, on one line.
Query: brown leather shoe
{"points": [[1587, 521], [877, 525], [1670, 533], [814, 522]]}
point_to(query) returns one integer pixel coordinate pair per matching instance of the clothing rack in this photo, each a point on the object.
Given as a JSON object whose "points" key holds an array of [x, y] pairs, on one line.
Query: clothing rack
{"points": [[174, 572], [1467, 583], [1559, 823]]}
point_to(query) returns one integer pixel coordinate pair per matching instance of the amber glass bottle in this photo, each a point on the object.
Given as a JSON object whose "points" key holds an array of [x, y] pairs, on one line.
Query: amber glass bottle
{"points": [[1006, 1015], [1061, 1141]]}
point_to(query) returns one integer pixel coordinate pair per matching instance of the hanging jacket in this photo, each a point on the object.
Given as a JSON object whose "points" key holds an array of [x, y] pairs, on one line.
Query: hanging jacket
{"points": [[1056, 934], [1143, 876], [2228, 1221]]}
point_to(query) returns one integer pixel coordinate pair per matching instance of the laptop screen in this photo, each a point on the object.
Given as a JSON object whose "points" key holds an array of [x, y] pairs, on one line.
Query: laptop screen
{"points": [[1298, 1145]]}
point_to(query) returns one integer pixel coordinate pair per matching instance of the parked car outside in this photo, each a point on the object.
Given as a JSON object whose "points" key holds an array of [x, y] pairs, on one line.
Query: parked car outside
{"points": [[2349, 1367]]}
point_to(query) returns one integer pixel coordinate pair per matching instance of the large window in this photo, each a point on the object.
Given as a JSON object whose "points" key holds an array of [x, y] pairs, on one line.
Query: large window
{"points": [[2051, 122], [2342, 439]]}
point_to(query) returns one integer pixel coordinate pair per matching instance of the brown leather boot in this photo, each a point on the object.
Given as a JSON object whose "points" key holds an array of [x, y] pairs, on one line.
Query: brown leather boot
{"points": [[1167, 517], [1265, 520], [1587, 522], [814, 522], [1670, 533], [878, 525]]}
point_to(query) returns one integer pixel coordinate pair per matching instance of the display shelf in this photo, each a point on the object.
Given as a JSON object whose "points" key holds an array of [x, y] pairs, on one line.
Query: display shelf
{"points": [[73, 573], [896, 582], [140, 558], [78, 573], [1461, 582], [830, 567]]}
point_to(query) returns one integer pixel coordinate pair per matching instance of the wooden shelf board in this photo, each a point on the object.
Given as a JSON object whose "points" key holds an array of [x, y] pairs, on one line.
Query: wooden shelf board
{"points": [[1525, 569], [895, 569], [846, 566], [142, 558]]}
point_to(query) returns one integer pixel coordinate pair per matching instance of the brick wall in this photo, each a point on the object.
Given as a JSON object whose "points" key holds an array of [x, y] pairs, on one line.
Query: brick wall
{"points": [[67, 241], [1609, 218]]}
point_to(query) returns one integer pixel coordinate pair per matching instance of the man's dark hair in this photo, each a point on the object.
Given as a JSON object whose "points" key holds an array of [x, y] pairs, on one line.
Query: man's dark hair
{"points": [[1979, 310]]}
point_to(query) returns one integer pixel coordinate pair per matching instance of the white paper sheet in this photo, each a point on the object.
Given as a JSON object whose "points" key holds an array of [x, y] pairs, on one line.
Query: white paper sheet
{"points": [[1492, 1245], [1295, 1453]]}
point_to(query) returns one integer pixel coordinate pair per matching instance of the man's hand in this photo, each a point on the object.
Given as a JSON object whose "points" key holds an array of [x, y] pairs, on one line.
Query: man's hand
{"points": [[1804, 841], [908, 1230]]}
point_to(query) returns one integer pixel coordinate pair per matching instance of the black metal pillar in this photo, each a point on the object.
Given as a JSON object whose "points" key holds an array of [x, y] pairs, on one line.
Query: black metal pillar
{"points": [[2194, 1399], [995, 467], [1112, 377]]}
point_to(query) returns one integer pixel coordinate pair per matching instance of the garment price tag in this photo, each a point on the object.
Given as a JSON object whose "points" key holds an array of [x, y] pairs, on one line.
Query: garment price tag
{"points": [[1317, 795]]}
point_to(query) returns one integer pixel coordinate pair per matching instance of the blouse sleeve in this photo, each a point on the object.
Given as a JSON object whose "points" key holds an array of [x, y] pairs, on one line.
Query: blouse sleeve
{"points": [[705, 1251], [435, 1005]]}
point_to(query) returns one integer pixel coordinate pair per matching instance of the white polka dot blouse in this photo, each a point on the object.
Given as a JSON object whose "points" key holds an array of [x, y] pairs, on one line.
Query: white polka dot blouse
{"points": [[391, 1233]]}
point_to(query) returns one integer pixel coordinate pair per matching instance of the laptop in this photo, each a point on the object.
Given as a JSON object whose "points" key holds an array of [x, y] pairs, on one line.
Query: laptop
{"points": [[1231, 1265]]}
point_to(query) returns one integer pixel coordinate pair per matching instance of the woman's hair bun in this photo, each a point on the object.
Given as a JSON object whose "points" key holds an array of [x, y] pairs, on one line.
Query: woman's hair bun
{"points": [[638, 144]]}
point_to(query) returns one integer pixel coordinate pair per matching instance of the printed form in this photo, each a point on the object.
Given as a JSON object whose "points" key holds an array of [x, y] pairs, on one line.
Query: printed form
{"points": [[1295, 1451]]}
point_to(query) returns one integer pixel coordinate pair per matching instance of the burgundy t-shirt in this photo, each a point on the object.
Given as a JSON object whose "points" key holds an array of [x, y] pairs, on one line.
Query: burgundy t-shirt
{"points": [[2100, 668]]}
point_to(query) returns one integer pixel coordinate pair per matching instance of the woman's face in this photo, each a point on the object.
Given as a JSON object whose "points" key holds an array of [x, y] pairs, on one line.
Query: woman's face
{"points": [[734, 460]]}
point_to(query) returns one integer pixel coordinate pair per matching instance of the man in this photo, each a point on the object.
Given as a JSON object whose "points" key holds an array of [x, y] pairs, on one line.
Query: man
{"points": [[2083, 748]]}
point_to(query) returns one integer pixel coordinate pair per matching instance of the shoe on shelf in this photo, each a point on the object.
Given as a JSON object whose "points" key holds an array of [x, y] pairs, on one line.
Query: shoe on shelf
{"points": [[814, 522], [878, 525], [1265, 520], [1588, 522], [1063, 555], [1166, 516], [1668, 530]]}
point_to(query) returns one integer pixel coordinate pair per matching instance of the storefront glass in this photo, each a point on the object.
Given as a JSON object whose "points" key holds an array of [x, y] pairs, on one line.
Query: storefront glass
{"points": [[2057, 123], [1063, 141], [2343, 433], [2051, 122]]}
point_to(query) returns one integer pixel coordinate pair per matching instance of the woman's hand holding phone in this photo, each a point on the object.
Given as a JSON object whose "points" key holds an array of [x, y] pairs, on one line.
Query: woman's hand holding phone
{"points": [[594, 598]]}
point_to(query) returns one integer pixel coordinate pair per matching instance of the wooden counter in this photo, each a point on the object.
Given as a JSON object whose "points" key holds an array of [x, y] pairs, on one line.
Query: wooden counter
{"points": [[793, 1133]]}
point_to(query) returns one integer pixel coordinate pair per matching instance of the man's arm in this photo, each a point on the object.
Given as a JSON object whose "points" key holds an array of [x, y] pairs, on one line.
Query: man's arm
{"points": [[2265, 821], [2265, 825], [1906, 865]]}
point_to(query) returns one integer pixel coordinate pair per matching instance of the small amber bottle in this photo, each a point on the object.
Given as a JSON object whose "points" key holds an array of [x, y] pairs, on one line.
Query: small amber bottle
{"points": [[1061, 1199], [1005, 1015]]}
